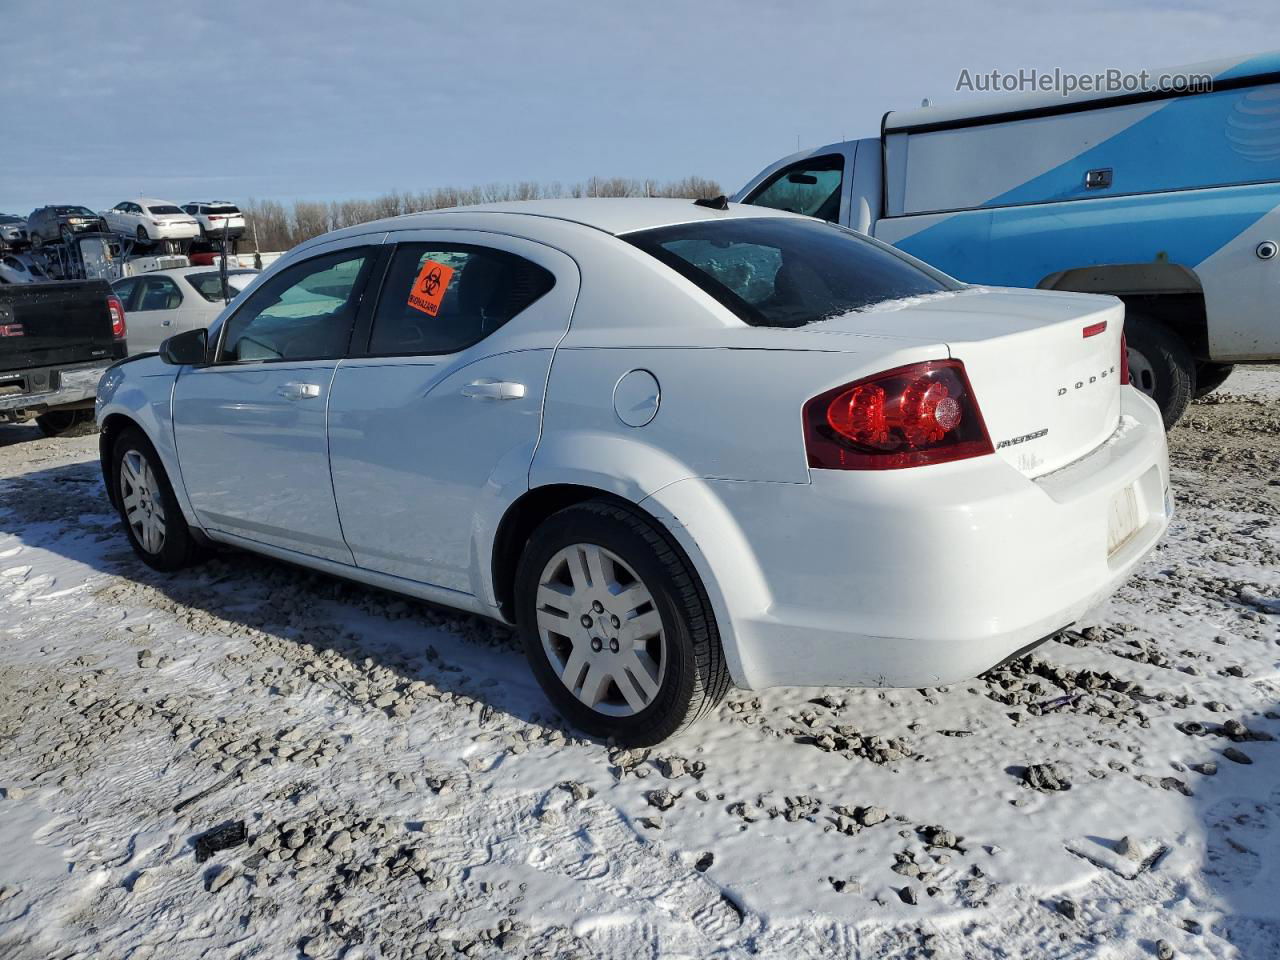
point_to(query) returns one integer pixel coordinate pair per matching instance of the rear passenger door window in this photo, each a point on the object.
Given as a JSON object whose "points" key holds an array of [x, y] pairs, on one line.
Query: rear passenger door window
{"points": [[811, 187], [305, 312], [443, 298]]}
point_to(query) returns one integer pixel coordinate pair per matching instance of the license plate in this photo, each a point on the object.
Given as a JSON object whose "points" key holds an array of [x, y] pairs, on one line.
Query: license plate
{"points": [[1122, 519]]}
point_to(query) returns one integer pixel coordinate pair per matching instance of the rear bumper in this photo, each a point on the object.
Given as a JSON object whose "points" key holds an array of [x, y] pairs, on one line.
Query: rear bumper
{"points": [[178, 232], [914, 578], [51, 387], [215, 231]]}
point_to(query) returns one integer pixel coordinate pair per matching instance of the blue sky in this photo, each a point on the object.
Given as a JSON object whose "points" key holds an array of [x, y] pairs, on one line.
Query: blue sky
{"points": [[331, 100]]}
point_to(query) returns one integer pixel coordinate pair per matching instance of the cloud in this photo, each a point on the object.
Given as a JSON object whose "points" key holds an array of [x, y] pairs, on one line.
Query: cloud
{"points": [[333, 100]]}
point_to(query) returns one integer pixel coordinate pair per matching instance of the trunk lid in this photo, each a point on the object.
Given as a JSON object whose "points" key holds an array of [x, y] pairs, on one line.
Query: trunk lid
{"points": [[1048, 393]]}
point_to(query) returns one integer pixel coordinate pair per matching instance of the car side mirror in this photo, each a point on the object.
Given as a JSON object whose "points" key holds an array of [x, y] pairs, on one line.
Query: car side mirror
{"points": [[186, 349]]}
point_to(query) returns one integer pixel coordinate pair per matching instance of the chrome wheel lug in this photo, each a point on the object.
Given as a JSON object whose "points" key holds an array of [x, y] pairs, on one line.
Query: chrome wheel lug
{"points": [[613, 644], [597, 606], [586, 620], [597, 644], [613, 619]]}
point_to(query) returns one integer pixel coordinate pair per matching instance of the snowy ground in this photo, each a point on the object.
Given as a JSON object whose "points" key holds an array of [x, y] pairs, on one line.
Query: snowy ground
{"points": [[408, 793]]}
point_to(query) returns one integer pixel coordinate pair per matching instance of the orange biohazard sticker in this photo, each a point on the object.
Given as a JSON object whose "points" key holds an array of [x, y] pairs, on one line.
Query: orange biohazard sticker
{"points": [[429, 287]]}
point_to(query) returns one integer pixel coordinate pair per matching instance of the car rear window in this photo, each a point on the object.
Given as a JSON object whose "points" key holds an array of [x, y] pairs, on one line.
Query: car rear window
{"points": [[167, 208], [209, 285], [780, 272], [221, 208]]}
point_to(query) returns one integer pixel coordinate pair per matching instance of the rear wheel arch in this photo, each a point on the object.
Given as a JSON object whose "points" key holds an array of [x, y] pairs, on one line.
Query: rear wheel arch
{"points": [[1165, 319], [524, 516], [1170, 294], [692, 674]]}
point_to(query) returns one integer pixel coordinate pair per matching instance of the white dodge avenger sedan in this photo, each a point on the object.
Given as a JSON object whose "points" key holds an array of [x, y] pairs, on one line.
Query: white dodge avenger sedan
{"points": [[679, 445]]}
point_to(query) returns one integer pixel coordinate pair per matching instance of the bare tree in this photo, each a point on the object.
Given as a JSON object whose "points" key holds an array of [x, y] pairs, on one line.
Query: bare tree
{"points": [[279, 229], [270, 224], [309, 220]]}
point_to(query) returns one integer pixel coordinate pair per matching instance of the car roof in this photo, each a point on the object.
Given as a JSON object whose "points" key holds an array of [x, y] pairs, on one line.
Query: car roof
{"points": [[187, 271], [148, 201], [614, 215]]}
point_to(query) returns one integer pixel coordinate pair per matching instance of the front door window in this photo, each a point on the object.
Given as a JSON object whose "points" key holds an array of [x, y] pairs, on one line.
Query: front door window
{"points": [[811, 187]]}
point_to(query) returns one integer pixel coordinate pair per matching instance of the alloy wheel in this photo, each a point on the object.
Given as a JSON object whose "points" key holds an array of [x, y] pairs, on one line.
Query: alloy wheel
{"points": [[140, 495], [601, 630]]}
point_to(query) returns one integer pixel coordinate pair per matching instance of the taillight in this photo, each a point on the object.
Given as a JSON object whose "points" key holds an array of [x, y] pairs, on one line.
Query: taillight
{"points": [[1124, 359], [909, 417], [118, 329]]}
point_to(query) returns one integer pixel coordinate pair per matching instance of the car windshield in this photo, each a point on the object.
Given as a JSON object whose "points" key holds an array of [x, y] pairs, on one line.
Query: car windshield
{"points": [[166, 208], [209, 285], [74, 212], [784, 272]]}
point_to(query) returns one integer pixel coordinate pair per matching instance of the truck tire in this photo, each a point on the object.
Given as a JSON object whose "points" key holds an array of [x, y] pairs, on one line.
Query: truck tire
{"points": [[148, 509], [1210, 376], [1160, 365], [617, 625], [57, 423]]}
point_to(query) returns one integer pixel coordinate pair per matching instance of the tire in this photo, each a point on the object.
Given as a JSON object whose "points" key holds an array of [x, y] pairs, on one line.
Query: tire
{"points": [[1210, 376], [142, 236], [1161, 366], [175, 548], [684, 666], [57, 423]]}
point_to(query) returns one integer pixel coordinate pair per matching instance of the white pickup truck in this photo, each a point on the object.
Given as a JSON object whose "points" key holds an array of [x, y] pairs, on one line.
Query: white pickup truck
{"points": [[1167, 199]]}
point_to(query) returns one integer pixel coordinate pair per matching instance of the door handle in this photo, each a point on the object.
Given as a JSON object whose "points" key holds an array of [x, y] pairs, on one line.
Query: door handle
{"points": [[494, 390], [166, 323], [298, 391]]}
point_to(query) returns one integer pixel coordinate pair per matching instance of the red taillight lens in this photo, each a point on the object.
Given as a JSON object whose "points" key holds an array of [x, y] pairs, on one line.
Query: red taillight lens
{"points": [[909, 417], [1124, 360], [118, 329]]}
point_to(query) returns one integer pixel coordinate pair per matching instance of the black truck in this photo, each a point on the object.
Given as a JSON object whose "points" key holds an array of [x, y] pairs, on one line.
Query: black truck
{"points": [[56, 339]]}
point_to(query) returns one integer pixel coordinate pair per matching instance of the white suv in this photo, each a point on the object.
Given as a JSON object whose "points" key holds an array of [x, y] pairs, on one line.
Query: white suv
{"points": [[217, 218]]}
